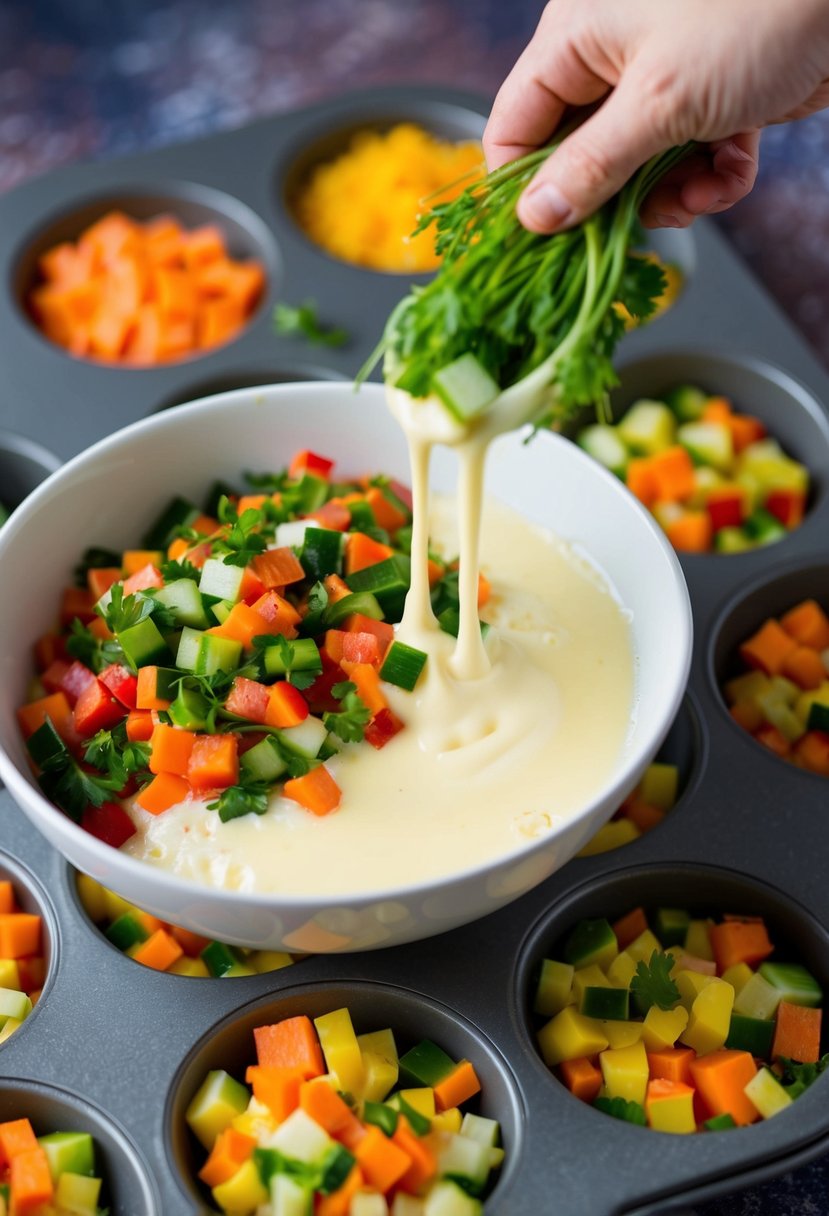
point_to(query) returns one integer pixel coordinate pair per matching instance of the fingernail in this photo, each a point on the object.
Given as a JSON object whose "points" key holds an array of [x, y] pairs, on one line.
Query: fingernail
{"points": [[666, 221], [544, 206]]}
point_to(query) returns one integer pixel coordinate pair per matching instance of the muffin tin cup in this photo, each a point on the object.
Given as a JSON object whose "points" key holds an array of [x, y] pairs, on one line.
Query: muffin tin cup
{"points": [[24, 464], [32, 898], [746, 830]]}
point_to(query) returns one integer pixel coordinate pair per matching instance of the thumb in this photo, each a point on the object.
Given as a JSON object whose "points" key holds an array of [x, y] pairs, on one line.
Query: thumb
{"points": [[592, 164]]}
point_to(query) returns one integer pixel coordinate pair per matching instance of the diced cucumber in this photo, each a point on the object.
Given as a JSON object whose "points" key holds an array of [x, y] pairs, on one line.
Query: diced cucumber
{"points": [[313, 491], [447, 1199], [205, 653], [464, 1159], [189, 645], [732, 540], [381, 1115], [387, 580], [306, 739], [126, 931], [795, 984], [368, 1203], [425, 1064], [14, 1004], [763, 528], [301, 1137], [225, 582], [216, 1103], [263, 762], [321, 552], [304, 656], [465, 387], [184, 600], [46, 747], [289, 1197], [671, 925], [292, 534], [604, 444], [687, 402], [708, 443], [591, 941], [403, 665], [647, 428], [221, 610], [69, 1152], [608, 1004], [336, 1167], [189, 709], [554, 986], [485, 1131], [750, 1034], [361, 601], [143, 644]]}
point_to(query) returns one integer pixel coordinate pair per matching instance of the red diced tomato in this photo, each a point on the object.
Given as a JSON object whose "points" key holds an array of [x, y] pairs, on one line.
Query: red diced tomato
{"points": [[248, 699], [77, 678], [121, 683], [109, 823], [383, 726], [53, 676]]}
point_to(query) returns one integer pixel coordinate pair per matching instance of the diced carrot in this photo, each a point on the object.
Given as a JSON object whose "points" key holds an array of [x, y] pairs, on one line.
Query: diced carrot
{"points": [[484, 589], [461, 1084], [629, 927], [336, 587], [382, 1161], [76, 602], [214, 762], [382, 630], [242, 624], [278, 567], [278, 1088], [673, 473], [32, 716], [387, 514], [691, 533], [101, 579], [147, 577], [252, 587], [333, 515], [175, 291], [133, 560], [717, 409], [251, 502], [205, 525], [291, 1043], [797, 1033], [164, 791], [643, 814], [231, 1149], [424, 1166], [146, 695], [808, 624], [16, 1137], [747, 714], [170, 749], [368, 684], [745, 430], [286, 706], [248, 699], [7, 902], [812, 750], [219, 320], [338, 1203], [64, 264], [317, 791], [362, 551], [582, 1078], [672, 1063], [31, 1182], [159, 951], [774, 740], [201, 246], [436, 572], [326, 1107], [640, 480], [720, 1079], [278, 614], [108, 236], [20, 934], [739, 941], [768, 649]]}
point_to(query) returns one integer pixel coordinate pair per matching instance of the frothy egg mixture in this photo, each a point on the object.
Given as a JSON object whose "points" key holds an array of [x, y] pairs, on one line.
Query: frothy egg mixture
{"points": [[506, 736]]}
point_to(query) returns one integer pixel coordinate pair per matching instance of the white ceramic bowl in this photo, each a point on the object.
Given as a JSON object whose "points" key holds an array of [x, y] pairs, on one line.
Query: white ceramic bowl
{"points": [[109, 494]]}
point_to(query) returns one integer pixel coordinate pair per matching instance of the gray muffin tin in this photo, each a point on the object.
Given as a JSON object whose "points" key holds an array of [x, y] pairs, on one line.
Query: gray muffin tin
{"points": [[120, 1049]]}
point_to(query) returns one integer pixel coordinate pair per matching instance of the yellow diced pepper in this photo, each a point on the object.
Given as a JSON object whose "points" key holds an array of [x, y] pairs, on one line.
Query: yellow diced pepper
{"points": [[625, 1072], [77, 1194], [195, 967], [710, 1018], [747, 687], [662, 1027], [659, 785], [421, 1099], [8, 1028], [570, 1035], [115, 905], [766, 1093], [737, 976], [380, 1064], [244, 1192], [270, 960], [669, 1106], [611, 836], [588, 977], [622, 1034], [690, 985], [642, 947], [554, 987], [698, 939], [448, 1121], [622, 970], [341, 1050], [9, 974], [93, 897]]}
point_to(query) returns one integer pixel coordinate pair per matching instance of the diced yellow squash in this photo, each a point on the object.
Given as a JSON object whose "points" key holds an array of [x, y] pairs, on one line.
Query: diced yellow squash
{"points": [[421, 1099], [767, 1094], [758, 998], [698, 939], [196, 968], [10, 974], [710, 1018], [642, 947], [244, 1192], [588, 977], [217, 1102], [448, 1121], [622, 1034], [270, 960], [622, 970], [341, 1049], [77, 1194], [611, 836], [737, 976], [660, 785], [93, 897], [662, 1027], [380, 1064], [670, 1108], [256, 1121], [570, 1035], [8, 1028], [625, 1072], [747, 688], [115, 905], [555, 985]]}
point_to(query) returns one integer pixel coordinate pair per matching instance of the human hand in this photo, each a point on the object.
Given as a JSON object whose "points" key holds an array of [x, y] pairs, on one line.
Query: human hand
{"points": [[714, 71]]}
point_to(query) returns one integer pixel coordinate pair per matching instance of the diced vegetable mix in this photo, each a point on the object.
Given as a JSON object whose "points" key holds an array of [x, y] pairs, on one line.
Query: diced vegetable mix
{"points": [[164, 947], [22, 962], [782, 698], [141, 293], [711, 476], [233, 654], [679, 1023], [386, 177], [51, 1175], [642, 810], [335, 1122]]}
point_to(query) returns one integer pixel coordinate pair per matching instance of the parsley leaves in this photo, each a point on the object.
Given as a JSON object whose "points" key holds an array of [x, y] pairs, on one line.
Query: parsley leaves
{"points": [[798, 1077], [350, 721], [239, 800], [124, 611], [652, 983], [112, 753], [243, 540], [303, 322]]}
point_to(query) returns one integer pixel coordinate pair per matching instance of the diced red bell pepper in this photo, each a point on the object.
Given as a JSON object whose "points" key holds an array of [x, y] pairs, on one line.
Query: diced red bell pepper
{"points": [[333, 515], [99, 581], [77, 602], [52, 678], [248, 699], [725, 509], [286, 706], [109, 823], [310, 462], [77, 678], [147, 577], [319, 695], [383, 726], [96, 709], [788, 506], [121, 683]]}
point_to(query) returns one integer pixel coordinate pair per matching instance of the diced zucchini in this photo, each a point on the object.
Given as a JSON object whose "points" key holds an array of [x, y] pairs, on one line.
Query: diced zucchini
{"points": [[403, 665], [14, 1004], [362, 601], [289, 1197], [263, 762], [304, 656], [216, 1103], [767, 1094], [386, 579], [708, 443], [306, 739], [647, 428], [143, 644], [763, 528], [604, 445], [68, 1152], [687, 402], [465, 387], [426, 1064], [292, 534], [221, 580], [205, 653], [301, 1137], [591, 941], [189, 709], [184, 600], [554, 986], [796, 985], [671, 925], [321, 552], [447, 1199], [464, 1159], [485, 1131], [732, 540], [77, 1195]]}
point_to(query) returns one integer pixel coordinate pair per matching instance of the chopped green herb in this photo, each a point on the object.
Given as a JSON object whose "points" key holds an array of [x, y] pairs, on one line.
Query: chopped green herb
{"points": [[239, 800], [798, 1077], [302, 322], [350, 721], [652, 983], [620, 1108]]}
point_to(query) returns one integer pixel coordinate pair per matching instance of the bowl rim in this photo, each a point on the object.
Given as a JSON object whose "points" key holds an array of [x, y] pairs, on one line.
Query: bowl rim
{"points": [[113, 861]]}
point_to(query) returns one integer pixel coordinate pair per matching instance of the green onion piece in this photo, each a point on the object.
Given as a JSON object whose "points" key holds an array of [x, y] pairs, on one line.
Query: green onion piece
{"points": [[219, 958], [403, 665]]}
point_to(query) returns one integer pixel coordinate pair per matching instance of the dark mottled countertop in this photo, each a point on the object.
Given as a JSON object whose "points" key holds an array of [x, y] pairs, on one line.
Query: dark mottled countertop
{"points": [[92, 79]]}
